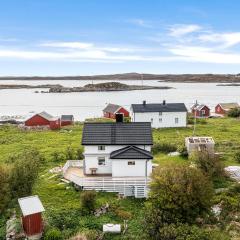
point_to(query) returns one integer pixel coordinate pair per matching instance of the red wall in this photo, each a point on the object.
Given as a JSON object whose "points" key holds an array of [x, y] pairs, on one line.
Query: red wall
{"points": [[56, 124], [199, 114], [32, 224], [66, 123], [219, 110], [36, 120], [112, 115]]}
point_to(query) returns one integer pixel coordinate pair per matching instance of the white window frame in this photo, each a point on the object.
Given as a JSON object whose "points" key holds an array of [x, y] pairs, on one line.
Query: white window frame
{"points": [[101, 148], [103, 159], [131, 163], [160, 120], [176, 120]]}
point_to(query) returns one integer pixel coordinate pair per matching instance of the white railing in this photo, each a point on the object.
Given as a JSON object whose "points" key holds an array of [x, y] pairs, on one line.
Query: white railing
{"points": [[72, 163], [128, 186]]}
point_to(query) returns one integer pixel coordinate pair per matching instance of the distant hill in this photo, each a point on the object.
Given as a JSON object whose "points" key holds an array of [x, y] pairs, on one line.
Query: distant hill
{"points": [[137, 76]]}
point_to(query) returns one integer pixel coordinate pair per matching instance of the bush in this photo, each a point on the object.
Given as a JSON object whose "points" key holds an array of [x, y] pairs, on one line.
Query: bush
{"points": [[70, 154], [178, 194], [237, 156], [234, 113], [123, 214], [58, 156], [163, 147], [209, 164], [182, 150], [88, 201], [53, 234], [4, 188], [24, 173], [80, 155]]}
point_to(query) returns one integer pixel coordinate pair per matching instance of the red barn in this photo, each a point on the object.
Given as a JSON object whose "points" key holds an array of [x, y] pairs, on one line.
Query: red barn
{"points": [[200, 110], [67, 120], [111, 110], [32, 221], [43, 119], [223, 108]]}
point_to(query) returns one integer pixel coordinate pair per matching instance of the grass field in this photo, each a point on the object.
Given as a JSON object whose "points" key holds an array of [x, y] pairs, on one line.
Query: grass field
{"points": [[62, 200]]}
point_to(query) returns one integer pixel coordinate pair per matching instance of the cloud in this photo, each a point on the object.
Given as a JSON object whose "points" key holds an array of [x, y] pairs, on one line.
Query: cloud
{"points": [[207, 55], [74, 45], [178, 30], [226, 39], [141, 23]]}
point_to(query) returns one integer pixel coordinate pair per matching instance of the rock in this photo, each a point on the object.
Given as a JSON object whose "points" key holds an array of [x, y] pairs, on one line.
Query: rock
{"points": [[233, 172]]}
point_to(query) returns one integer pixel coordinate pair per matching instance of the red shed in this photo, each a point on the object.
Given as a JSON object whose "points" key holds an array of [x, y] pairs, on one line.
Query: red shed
{"points": [[223, 108], [32, 221], [67, 120], [111, 110], [43, 119], [200, 110]]}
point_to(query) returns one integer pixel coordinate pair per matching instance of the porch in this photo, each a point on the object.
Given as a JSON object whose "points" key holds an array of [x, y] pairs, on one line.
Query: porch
{"points": [[127, 186]]}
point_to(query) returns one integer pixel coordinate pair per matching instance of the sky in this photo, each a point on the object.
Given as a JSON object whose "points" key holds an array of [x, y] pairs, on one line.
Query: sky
{"points": [[77, 37]]}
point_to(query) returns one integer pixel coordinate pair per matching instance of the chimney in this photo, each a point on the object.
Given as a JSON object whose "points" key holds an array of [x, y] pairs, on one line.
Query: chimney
{"points": [[119, 117], [144, 102], [164, 102]]}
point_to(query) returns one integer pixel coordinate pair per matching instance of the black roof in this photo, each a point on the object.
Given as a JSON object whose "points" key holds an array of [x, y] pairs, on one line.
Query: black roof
{"points": [[131, 152], [133, 133], [159, 107], [67, 117]]}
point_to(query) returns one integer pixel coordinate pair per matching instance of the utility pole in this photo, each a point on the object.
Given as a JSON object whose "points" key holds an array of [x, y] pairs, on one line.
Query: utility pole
{"points": [[195, 121]]}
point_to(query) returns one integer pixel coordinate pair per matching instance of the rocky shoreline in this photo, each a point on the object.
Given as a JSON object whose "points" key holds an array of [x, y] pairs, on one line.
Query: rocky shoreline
{"points": [[104, 87]]}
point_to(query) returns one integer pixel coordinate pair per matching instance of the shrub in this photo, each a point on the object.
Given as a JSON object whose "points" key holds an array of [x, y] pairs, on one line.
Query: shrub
{"points": [[4, 188], [53, 234], [58, 156], [234, 113], [237, 156], [163, 147], [182, 150], [24, 173], [70, 154], [123, 214], [178, 194], [209, 164], [80, 155], [88, 201]]}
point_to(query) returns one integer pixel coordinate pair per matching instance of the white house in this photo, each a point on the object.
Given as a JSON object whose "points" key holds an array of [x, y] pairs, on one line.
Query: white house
{"points": [[117, 149], [160, 115]]}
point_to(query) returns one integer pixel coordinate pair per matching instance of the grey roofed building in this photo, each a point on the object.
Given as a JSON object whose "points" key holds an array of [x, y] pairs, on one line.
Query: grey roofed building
{"points": [[131, 152], [112, 108], [46, 115], [134, 133], [227, 106], [67, 118], [159, 107]]}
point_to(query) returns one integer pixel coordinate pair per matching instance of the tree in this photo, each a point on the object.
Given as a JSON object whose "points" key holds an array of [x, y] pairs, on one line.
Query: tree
{"points": [[4, 188], [24, 173], [88, 200], [234, 112], [178, 194], [209, 164]]}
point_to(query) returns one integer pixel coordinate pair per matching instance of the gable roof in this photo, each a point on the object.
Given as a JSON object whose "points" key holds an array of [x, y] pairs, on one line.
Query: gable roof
{"points": [[227, 106], [159, 107], [200, 107], [30, 205], [45, 115], [67, 118], [112, 108], [131, 152], [133, 133]]}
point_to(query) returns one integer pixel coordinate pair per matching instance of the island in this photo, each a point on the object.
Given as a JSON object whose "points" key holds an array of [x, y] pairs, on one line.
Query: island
{"points": [[104, 87]]}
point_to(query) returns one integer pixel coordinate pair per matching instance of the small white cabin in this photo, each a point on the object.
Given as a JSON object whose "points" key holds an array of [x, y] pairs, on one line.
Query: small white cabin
{"points": [[160, 115]]}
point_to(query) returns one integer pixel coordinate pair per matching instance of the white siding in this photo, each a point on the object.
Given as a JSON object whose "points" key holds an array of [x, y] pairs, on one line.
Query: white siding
{"points": [[91, 154], [120, 168], [161, 120]]}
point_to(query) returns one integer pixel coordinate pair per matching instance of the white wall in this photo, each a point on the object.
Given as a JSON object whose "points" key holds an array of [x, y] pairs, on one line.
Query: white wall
{"points": [[91, 154], [120, 168], [168, 119]]}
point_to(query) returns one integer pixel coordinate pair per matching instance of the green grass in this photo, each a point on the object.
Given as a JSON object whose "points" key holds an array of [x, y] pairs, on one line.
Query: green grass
{"points": [[58, 197]]}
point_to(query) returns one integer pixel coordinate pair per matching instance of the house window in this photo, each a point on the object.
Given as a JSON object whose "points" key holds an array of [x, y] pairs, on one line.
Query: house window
{"points": [[101, 161], [131, 162], [203, 112], [101, 148], [160, 120], [160, 113], [176, 120]]}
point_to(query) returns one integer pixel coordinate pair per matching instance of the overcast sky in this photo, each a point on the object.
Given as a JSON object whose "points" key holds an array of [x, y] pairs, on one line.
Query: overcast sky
{"points": [[77, 37]]}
